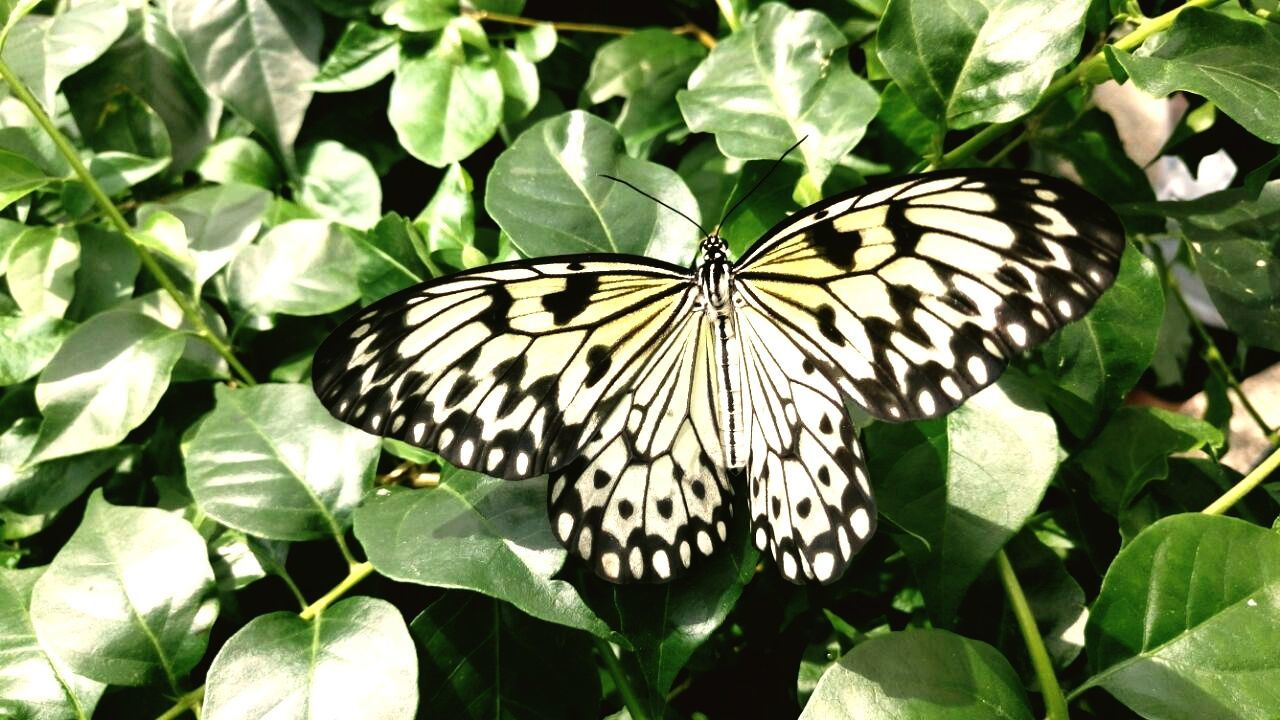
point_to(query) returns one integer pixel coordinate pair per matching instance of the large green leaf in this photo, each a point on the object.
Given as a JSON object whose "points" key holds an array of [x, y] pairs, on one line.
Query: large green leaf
{"points": [[480, 658], [783, 77], [545, 191], [1133, 449], [920, 675], [645, 69], [442, 109], [1185, 623], [108, 271], [45, 50], [391, 258], [302, 267], [42, 269], [1087, 368], [219, 220], [340, 184], [475, 533], [961, 486], [257, 56], [129, 599], [40, 488], [239, 160], [269, 460], [970, 62], [356, 659], [27, 344], [363, 56], [103, 382], [1231, 62], [34, 684]]}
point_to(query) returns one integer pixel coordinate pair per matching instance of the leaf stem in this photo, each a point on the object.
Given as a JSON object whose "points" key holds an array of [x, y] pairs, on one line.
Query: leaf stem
{"points": [[1247, 484], [355, 573], [702, 36], [153, 266], [1091, 70], [629, 698], [1054, 701]]}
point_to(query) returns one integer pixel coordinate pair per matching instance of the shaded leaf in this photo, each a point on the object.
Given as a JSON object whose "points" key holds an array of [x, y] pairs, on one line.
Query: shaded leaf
{"points": [[354, 660], [269, 460], [545, 191], [391, 258], [18, 178], [475, 533], [40, 488], [645, 69], [27, 344], [239, 160], [108, 271], [100, 609]]}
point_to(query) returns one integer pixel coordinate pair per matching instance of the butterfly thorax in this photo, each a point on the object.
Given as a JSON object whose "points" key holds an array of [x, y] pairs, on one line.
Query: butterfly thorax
{"points": [[713, 272]]}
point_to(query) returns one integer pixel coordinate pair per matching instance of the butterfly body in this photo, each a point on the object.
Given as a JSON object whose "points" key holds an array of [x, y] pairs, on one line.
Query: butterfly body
{"points": [[651, 393]]}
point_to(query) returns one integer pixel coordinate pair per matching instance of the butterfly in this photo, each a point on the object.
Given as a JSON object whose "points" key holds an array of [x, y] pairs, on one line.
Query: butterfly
{"points": [[652, 393]]}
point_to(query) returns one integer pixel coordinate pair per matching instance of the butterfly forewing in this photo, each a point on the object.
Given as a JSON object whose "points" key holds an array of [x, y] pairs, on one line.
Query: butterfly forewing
{"points": [[914, 294], [508, 369]]}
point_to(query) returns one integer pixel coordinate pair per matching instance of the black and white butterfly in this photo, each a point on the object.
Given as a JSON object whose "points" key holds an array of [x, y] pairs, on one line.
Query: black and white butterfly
{"points": [[652, 392]]}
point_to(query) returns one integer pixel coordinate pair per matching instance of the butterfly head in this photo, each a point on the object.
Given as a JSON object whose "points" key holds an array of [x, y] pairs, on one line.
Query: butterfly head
{"points": [[713, 271]]}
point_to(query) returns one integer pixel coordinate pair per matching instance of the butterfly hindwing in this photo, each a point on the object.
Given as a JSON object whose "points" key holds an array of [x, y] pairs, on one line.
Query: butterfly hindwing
{"points": [[811, 504], [916, 292], [508, 369], [649, 495]]}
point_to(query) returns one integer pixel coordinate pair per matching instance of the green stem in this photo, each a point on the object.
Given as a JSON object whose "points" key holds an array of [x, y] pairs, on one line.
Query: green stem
{"points": [[72, 157], [357, 572], [1054, 701], [1092, 70], [629, 698], [1247, 484]]}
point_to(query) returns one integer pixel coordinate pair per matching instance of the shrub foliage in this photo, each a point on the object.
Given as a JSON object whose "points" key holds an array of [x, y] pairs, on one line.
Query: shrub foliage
{"points": [[194, 193]]}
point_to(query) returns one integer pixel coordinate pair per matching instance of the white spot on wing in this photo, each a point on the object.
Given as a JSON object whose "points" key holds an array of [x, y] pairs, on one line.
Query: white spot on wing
{"points": [[564, 526], [926, 403], [661, 564], [824, 565], [861, 522], [609, 564], [977, 369], [522, 462], [788, 565], [1017, 333], [762, 539], [704, 542], [636, 562]]}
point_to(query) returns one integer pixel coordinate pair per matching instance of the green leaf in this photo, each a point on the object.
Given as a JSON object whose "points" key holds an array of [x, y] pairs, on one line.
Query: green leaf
{"points": [[958, 488], [645, 69], [18, 177], [340, 184], [43, 51], [42, 269], [129, 599], [971, 62], [545, 191], [41, 488], [33, 683], [220, 221], [475, 533], [667, 623], [27, 344], [115, 173], [1056, 600], [257, 56], [355, 660], [442, 110], [1184, 626], [520, 84], [783, 77], [148, 61], [391, 258], [163, 234], [1230, 62], [238, 160], [1133, 449], [920, 674], [128, 125], [1086, 369], [480, 658], [269, 460], [538, 42], [1090, 141], [363, 56], [103, 382], [303, 267], [448, 224], [417, 16], [906, 124], [199, 360], [108, 271]]}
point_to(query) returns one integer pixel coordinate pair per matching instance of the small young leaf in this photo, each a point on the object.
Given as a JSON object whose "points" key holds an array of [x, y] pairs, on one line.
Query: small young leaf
{"points": [[239, 160], [340, 184], [363, 56]]}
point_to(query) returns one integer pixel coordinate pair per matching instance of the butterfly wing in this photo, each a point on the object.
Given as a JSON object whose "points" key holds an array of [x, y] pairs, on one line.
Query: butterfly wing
{"points": [[649, 495], [914, 294], [508, 369], [811, 505]]}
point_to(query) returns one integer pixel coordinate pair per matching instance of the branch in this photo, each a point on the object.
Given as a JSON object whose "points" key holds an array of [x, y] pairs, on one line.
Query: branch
{"points": [[1092, 70], [1054, 701], [701, 35], [1242, 488], [629, 698], [72, 157]]}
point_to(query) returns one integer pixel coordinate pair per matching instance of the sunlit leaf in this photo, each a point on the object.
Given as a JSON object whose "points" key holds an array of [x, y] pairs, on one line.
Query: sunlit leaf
{"points": [[363, 56], [44, 50], [340, 184], [303, 267], [42, 267]]}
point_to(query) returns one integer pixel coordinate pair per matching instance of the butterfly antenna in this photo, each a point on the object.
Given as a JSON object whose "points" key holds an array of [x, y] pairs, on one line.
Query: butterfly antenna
{"points": [[633, 187], [759, 182]]}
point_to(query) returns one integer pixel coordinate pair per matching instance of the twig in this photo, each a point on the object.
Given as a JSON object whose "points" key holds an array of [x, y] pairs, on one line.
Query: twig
{"points": [[701, 35], [629, 698], [1054, 701], [1247, 484], [68, 152]]}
